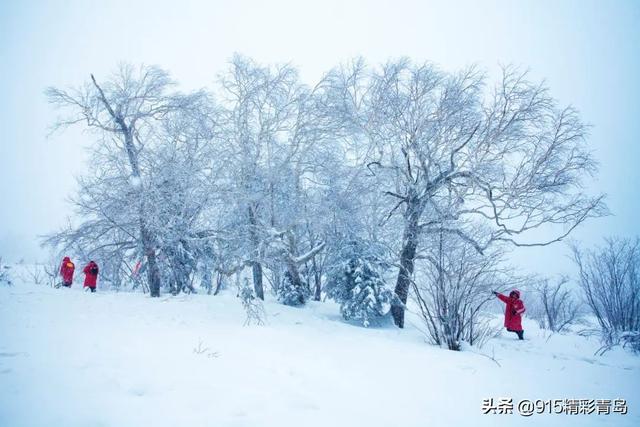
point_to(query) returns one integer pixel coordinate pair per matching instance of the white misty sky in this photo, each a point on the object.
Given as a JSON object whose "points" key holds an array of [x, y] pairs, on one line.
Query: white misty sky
{"points": [[588, 51]]}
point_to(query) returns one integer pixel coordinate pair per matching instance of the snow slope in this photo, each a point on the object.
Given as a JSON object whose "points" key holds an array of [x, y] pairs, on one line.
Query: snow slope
{"points": [[68, 358]]}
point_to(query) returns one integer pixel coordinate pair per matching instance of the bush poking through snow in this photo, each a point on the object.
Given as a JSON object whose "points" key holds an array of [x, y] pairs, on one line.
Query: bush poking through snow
{"points": [[35, 274], [289, 293], [206, 351], [252, 305], [52, 271], [610, 279], [453, 287], [558, 308], [360, 290], [5, 274], [631, 340]]}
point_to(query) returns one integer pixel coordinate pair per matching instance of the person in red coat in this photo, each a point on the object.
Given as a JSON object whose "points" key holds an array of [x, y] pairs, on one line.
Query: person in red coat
{"points": [[513, 312], [66, 271], [91, 275]]}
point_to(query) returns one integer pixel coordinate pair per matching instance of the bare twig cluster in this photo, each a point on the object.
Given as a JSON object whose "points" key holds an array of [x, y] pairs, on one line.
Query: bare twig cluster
{"points": [[610, 280]]}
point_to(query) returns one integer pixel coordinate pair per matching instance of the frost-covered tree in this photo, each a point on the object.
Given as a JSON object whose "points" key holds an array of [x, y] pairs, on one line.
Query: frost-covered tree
{"points": [[344, 212], [557, 307], [360, 289], [490, 167], [291, 293], [126, 112], [276, 128]]}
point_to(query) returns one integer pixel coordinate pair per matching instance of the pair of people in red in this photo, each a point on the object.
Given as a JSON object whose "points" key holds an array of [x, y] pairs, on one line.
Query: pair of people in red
{"points": [[513, 312], [90, 271]]}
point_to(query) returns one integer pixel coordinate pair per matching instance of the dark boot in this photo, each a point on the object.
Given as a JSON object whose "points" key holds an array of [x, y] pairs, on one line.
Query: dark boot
{"points": [[520, 335]]}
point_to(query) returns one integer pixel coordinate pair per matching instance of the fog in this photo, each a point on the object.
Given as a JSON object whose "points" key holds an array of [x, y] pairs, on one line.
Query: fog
{"points": [[588, 52]]}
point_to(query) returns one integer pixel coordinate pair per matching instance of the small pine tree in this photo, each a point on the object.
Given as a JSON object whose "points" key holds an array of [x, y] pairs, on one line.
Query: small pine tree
{"points": [[290, 294], [360, 290]]}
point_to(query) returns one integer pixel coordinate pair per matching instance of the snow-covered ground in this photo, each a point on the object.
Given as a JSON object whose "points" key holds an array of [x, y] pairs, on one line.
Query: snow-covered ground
{"points": [[69, 358]]}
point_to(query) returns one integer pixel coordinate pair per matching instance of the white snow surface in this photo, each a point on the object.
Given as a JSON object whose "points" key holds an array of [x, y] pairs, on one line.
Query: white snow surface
{"points": [[70, 358]]}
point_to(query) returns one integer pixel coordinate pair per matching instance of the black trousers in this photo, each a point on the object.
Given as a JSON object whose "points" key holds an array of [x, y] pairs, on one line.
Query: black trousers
{"points": [[519, 333]]}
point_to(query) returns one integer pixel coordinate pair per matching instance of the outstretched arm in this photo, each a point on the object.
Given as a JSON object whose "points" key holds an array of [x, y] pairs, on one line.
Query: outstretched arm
{"points": [[501, 297]]}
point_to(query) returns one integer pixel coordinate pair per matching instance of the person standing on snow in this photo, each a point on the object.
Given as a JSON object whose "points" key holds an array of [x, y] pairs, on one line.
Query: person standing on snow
{"points": [[90, 275], [66, 271], [513, 312]]}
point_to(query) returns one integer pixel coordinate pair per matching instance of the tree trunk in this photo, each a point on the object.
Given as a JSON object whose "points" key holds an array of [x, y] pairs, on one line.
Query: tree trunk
{"points": [[294, 273], [407, 259], [218, 284], [292, 266], [256, 267], [153, 272], [318, 280], [148, 242], [206, 280]]}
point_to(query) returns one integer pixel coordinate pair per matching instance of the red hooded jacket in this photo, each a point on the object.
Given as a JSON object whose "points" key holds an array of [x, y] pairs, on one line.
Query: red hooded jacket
{"points": [[90, 275], [66, 270], [513, 311]]}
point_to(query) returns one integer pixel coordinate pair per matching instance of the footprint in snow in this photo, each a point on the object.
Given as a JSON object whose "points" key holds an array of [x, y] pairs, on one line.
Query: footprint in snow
{"points": [[591, 361]]}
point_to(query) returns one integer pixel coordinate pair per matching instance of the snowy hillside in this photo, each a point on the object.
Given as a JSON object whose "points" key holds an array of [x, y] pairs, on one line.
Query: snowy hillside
{"points": [[69, 358]]}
